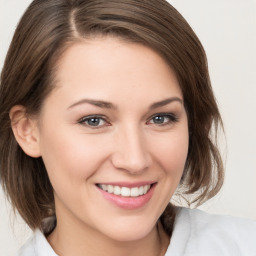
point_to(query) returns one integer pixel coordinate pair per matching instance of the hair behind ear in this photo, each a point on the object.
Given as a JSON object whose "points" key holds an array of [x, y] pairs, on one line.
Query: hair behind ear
{"points": [[22, 174]]}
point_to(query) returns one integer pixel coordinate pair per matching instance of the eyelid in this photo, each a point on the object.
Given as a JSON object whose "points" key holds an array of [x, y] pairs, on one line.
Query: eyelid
{"points": [[82, 121], [173, 118]]}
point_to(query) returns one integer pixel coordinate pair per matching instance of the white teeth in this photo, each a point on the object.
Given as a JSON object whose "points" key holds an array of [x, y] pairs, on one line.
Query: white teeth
{"points": [[124, 191], [141, 190], [110, 189], [104, 187], [135, 192], [117, 190], [146, 188]]}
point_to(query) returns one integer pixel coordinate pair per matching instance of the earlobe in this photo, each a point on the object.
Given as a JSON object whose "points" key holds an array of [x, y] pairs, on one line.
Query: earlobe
{"points": [[25, 130]]}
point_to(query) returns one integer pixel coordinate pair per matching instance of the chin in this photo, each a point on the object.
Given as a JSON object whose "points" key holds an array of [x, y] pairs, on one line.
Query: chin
{"points": [[130, 231]]}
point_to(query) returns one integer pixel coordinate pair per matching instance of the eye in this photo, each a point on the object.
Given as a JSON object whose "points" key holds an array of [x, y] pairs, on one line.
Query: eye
{"points": [[93, 121], [163, 119]]}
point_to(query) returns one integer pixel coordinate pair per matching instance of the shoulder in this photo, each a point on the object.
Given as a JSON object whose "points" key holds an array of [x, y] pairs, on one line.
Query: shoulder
{"points": [[228, 225], [28, 249], [208, 234], [37, 245]]}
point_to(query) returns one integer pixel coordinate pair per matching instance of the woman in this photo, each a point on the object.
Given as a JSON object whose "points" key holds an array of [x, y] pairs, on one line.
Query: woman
{"points": [[106, 113]]}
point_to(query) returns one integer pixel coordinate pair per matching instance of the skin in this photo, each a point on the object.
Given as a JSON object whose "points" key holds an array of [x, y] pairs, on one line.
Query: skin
{"points": [[127, 145]]}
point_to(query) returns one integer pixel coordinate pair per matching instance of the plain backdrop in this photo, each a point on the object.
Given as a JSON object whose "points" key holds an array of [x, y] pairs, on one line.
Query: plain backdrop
{"points": [[227, 29]]}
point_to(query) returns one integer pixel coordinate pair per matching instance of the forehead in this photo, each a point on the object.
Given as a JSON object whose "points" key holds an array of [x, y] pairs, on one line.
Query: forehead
{"points": [[104, 67]]}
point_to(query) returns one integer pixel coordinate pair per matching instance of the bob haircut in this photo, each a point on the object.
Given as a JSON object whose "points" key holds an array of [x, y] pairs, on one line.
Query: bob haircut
{"points": [[44, 33]]}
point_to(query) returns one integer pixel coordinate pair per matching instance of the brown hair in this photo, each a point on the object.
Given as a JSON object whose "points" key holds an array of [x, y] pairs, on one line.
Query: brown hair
{"points": [[45, 31]]}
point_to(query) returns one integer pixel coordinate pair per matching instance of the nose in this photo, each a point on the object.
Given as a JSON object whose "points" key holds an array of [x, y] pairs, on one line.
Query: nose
{"points": [[131, 152]]}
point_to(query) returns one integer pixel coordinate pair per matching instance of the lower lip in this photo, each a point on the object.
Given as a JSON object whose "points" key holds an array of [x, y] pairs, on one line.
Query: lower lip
{"points": [[129, 203]]}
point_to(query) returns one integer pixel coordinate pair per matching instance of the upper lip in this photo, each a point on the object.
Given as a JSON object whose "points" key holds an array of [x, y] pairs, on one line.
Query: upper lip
{"points": [[128, 184]]}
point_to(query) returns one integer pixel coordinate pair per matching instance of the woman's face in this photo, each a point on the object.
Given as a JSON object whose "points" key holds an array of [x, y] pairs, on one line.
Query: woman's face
{"points": [[115, 123]]}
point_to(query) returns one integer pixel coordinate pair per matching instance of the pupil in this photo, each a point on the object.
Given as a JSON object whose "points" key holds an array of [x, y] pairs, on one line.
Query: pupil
{"points": [[159, 119], [94, 121]]}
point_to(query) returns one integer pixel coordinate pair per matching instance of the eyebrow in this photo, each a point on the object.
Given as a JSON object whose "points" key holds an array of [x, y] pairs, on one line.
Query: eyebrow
{"points": [[165, 102], [97, 103], [109, 105]]}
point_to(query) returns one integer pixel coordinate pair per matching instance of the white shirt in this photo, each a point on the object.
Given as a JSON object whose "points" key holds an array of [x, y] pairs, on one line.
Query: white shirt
{"points": [[195, 234]]}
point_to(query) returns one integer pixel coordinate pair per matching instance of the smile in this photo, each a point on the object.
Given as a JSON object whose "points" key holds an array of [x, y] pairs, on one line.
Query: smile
{"points": [[125, 191]]}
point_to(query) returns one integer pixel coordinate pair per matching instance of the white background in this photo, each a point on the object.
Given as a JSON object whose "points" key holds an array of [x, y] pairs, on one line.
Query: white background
{"points": [[227, 29]]}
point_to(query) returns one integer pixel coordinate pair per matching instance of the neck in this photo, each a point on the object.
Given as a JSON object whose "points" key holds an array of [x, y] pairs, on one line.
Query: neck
{"points": [[83, 241]]}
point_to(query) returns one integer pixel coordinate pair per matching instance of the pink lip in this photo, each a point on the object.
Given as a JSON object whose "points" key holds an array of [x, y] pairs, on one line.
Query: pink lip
{"points": [[129, 203]]}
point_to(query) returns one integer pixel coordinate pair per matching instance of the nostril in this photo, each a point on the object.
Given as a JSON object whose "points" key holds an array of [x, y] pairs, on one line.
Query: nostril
{"points": [[130, 164]]}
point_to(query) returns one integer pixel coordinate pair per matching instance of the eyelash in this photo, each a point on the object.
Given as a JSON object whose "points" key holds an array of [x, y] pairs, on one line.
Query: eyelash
{"points": [[172, 118], [84, 120]]}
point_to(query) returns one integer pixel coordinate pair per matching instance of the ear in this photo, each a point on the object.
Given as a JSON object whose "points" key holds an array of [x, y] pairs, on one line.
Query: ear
{"points": [[25, 130]]}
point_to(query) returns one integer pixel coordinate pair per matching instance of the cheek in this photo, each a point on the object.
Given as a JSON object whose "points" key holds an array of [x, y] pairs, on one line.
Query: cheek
{"points": [[70, 158], [172, 153]]}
